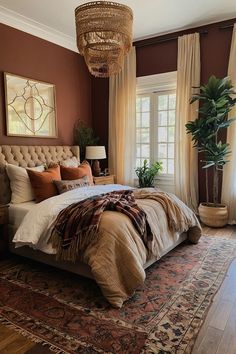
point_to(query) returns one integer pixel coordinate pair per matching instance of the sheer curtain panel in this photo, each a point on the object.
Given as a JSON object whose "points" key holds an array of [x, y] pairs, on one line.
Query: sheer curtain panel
{"points": [[229, 174], [122, 99], [186, 161]]}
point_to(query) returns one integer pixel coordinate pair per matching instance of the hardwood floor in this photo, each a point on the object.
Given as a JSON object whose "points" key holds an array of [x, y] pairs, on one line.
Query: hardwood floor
{"points": [[217, 335]]}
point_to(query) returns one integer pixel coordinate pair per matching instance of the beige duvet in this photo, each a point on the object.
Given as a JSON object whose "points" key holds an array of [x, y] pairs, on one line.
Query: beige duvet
{"points": [[118, 256]]}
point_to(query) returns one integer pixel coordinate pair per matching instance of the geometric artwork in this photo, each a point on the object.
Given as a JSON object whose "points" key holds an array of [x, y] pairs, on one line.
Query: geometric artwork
{"points": [[30, 107]]}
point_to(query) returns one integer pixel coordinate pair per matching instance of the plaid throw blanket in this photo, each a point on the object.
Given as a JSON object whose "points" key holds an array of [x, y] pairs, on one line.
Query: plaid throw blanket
{"points": [[78, 225]]}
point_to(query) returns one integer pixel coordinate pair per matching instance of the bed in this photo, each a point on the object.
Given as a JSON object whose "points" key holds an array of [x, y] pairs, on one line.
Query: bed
{"points": [[30, 156]]}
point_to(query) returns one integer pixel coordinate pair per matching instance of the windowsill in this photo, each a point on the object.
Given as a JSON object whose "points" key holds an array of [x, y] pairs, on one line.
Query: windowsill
{"points": [[163, 179]]}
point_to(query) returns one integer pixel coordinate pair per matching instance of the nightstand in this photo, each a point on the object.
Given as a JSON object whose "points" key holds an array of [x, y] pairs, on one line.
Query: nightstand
{"points": [[104, 179], [3, 230]]}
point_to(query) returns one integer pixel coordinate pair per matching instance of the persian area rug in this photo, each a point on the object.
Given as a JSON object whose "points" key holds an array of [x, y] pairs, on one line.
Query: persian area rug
{"points": [[68, 313]]}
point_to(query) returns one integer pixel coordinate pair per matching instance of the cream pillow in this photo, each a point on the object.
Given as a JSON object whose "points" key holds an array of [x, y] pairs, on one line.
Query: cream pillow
{"points": [[20, 183], [72, 162]]}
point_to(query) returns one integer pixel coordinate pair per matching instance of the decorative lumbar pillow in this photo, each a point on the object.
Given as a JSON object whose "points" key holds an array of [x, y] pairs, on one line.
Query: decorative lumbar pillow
{"points": [[72, 173], [72, 162], [65, 186], [20, 183], [42, 183]]}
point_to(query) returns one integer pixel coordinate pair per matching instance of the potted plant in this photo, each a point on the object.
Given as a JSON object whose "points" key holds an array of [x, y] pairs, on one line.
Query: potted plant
{"points": [[216, 103], [84, 136], [146, 173]]}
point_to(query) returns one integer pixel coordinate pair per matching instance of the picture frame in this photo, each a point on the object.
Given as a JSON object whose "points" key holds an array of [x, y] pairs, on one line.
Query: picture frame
{"points": [[30, 107]]}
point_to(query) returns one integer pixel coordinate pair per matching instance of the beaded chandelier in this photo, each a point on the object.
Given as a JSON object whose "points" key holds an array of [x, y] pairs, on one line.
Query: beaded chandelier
{"points": [[104, 35]]}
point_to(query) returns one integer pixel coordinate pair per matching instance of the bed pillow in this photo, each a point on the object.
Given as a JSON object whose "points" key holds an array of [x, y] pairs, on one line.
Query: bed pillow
{"points": [[72, 173], [42, 183], [65, 186], [72, 162], [20, 183]]}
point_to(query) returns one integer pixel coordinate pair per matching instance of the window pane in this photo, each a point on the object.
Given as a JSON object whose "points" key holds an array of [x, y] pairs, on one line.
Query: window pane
{"points": [[145, 119], [162, 102], [171, 166], [164, 165], [138, 150], [171, 134], [138, 120], [171, 151], [145, 150], [162, 151], [162, 134], [138, 163], [171, 118], [138, 137], [172, 101], [138, 104], [145, 104], [145, 135], [162, 118]]}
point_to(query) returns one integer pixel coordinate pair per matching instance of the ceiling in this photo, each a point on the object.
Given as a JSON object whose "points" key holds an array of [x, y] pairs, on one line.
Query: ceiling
{"points": [[151, 17]]}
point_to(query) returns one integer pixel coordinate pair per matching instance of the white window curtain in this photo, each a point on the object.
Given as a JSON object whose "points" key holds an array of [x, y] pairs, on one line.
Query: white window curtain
{"points": [[122, 98], [186, 161], [229, 174]]}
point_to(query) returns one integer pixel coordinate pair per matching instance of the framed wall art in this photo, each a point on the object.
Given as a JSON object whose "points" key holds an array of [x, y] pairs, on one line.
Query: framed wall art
{"points": [[30, 107]]}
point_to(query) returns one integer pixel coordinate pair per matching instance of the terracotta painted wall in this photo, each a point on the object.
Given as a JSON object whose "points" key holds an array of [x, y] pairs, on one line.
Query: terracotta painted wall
{"points": [[36, 58], [162, 57], [100, 97]]}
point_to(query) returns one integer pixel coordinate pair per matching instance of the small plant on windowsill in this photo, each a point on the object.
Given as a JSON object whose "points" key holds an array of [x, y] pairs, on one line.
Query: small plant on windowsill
{"points": [[146, 174]]}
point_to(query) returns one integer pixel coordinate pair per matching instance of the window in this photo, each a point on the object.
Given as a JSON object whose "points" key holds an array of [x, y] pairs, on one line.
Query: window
{"points": [[155, 121], [164, 128]]}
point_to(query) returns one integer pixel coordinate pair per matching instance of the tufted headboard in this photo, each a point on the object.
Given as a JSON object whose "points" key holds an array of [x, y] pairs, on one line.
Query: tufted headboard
{"points": [[29, 156]]}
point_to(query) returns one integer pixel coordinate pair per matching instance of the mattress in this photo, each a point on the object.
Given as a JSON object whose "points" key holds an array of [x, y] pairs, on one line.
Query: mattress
{"points": [[17, 212]]}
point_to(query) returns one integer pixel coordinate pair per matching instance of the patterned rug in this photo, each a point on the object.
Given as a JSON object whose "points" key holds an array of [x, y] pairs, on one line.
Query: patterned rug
{"points": [[68, 313]]}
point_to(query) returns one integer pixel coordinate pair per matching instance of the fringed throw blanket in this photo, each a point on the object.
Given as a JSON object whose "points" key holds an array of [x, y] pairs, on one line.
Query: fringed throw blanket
{"points": [[77, 226], [180, 218]]}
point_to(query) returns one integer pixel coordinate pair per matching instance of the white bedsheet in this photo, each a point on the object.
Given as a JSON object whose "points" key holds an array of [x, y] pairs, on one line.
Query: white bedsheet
{"points": [[17, 212], [34, 231]]}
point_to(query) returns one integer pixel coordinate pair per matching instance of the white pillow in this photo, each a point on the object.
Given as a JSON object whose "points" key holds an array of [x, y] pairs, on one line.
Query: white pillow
{"points": [[20, 183], [72, 162]]}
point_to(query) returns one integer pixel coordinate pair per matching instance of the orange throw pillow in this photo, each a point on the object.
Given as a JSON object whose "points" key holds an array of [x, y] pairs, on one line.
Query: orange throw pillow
{"points": [[42, 183], [71, 173]]}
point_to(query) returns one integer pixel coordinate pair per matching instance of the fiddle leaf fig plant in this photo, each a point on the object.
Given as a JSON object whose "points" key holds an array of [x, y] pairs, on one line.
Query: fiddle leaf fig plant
{"points": [[216, 98], [146, 174]]}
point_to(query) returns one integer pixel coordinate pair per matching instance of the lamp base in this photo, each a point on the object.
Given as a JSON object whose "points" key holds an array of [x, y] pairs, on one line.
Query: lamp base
{"points": [[96, 168]]}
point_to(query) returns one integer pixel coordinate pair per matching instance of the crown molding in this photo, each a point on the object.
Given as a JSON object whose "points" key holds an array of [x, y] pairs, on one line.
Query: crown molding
{"points": [[25, 24]]}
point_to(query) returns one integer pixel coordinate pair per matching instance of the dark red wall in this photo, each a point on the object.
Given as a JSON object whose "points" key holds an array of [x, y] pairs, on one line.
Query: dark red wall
{"points": [[162, 57], [100, 99], [26, 55]]}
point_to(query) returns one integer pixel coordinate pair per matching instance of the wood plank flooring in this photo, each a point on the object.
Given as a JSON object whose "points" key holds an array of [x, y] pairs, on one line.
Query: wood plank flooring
{"points": [[217, 335]]}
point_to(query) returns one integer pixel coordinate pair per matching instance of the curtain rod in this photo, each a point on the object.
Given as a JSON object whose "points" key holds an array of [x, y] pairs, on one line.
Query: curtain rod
{"points": [[226, 26], [146, 42]]}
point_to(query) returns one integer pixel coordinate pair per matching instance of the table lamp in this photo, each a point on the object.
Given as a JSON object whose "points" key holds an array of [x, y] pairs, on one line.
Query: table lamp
{"points": [[95, 153]]}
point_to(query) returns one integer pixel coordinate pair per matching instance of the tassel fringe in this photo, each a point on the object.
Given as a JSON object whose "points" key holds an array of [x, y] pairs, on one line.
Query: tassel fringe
{"points": [[77, 246], [31, 337]]}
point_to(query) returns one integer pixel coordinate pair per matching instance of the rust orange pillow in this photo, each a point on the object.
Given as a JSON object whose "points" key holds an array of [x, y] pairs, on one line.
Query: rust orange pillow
{"points": [[71, 173], [42, 183]]}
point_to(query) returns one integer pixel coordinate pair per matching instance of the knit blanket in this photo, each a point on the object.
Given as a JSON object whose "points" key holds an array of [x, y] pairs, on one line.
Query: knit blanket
{"points": [[179, 217], [77, 226]]}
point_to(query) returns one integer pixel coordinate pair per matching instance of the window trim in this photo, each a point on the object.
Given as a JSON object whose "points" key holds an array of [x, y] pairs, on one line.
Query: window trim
{"points": [[158, 82]]}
